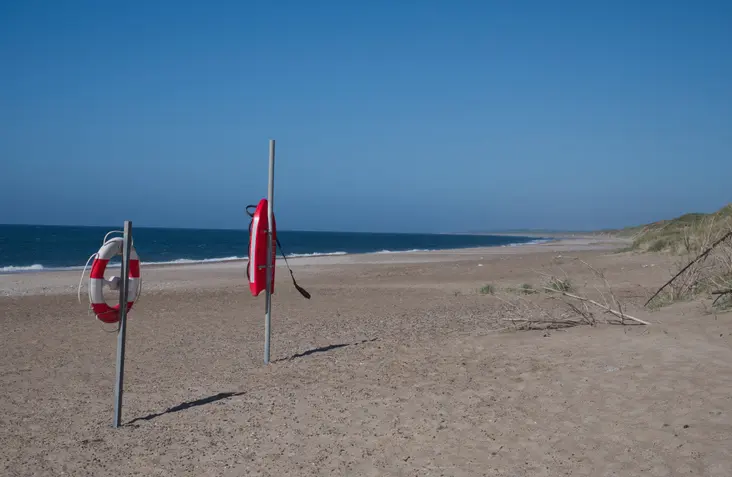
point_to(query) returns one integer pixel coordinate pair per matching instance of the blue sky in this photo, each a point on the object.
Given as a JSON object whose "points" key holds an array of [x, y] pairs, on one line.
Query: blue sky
{"points": [[426, 116]]}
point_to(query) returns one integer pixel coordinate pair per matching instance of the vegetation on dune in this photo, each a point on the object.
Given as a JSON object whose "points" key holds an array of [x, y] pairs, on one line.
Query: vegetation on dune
{"points": [[526, 289], [703, 244], [487, 289], [685, 234], [559, 284]]}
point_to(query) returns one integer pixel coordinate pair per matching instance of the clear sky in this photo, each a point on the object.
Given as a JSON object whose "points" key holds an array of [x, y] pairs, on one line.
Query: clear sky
{"points": [[431, 116]]}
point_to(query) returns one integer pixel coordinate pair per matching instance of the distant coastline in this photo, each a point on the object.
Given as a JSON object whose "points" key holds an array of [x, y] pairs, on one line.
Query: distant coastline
{"points": [[549, 234]]}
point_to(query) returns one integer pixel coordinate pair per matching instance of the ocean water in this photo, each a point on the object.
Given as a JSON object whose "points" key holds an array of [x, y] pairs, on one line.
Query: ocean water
{"points": [[39, 247]]}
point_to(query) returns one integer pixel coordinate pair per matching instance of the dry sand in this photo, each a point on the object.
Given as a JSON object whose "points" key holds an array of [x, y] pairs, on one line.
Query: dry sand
{"points": [[397, 366]]}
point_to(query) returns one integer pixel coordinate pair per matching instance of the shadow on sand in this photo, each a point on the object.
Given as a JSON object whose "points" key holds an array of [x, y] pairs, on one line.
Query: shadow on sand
{"points": [[221, 396], [187, 405], [323, 349]]}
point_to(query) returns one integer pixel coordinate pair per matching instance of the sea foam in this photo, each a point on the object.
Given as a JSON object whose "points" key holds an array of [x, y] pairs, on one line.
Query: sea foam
{"points": [[315, 254], [16, 269]]}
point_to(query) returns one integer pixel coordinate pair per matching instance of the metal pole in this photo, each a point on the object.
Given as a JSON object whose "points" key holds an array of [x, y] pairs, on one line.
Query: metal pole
{"points": [[122, 333], [270, 255]]}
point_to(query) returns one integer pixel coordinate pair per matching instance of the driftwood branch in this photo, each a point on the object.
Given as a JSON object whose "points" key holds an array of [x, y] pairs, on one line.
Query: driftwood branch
{"points": [[543, 322], [720, 294], [599, 305], [701, 255], [608, 287], [586, 314]]}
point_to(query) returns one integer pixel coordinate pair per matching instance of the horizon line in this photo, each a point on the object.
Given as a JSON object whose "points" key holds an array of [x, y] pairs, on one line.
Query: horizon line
{"points": [[245, 229]]}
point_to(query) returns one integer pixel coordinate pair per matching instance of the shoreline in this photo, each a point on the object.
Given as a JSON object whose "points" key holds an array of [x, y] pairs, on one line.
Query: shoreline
{"points": [[216, 274], [39, 269]]}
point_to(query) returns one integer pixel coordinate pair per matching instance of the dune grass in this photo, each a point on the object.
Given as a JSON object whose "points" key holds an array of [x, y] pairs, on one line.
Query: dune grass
{"points": [[688, 237], [682, 235]]}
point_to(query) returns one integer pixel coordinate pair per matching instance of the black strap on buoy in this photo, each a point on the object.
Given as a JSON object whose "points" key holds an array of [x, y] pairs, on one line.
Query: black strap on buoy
{"points": [[302, 291]]}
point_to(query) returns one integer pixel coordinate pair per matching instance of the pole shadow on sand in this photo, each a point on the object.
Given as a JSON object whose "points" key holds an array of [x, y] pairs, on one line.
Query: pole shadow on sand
{"points": [[323, 349], [187, 405], [227, 395]]}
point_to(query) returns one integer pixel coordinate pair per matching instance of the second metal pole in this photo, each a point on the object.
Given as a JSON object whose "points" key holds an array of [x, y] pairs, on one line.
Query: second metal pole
{"points": [[122, 333], [270, 254]]}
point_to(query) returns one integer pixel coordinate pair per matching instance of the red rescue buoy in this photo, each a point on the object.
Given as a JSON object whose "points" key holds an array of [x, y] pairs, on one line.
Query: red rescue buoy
{"points": [[257, 267]]}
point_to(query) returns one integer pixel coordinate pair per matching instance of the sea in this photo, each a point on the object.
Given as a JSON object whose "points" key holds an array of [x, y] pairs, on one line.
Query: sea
{"points": [[26, 248]]}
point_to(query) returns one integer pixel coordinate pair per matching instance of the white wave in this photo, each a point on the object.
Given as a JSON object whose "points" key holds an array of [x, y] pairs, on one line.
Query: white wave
{"points": [[188, 261], [316, 254], [414, 250], [180, 261], [530, 242], [15, 269]]}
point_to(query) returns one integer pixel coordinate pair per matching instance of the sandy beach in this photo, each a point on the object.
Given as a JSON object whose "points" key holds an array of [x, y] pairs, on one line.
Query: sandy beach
{"points": [[397, 366]]}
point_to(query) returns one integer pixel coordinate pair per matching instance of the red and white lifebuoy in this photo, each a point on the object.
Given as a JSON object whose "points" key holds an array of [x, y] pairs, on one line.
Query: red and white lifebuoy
{"points": [[257, 266], [111, 248]]}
